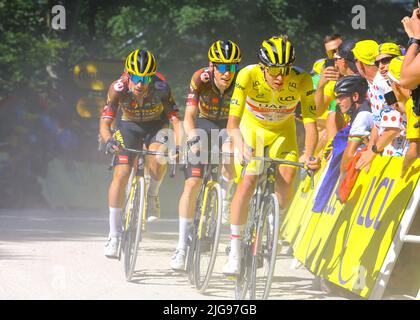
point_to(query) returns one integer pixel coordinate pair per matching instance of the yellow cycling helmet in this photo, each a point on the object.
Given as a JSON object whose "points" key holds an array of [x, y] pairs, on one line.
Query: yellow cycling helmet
{"points": [[277, 51], [224, 51], [141, 63]]}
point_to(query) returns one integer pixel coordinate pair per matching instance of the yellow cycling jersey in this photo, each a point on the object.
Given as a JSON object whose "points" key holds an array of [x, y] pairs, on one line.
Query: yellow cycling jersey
{"points": [[268, 107]]}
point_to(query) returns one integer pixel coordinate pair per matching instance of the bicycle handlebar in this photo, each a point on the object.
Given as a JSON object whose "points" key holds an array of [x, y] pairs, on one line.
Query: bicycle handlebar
{"points": [[302, 165]]}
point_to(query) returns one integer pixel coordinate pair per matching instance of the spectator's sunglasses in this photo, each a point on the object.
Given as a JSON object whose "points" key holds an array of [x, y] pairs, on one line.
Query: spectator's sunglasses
{"points": [[386, 60], [276, 71], [143, 79], [223, 67]]}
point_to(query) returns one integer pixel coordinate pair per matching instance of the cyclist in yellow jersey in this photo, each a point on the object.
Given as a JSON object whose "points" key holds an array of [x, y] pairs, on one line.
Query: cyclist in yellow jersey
{"points": [[261, 114]]}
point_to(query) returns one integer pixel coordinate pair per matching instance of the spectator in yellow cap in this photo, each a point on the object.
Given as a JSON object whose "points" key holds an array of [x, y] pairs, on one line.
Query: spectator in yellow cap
{"points": [[404, 96], [386, 52]]}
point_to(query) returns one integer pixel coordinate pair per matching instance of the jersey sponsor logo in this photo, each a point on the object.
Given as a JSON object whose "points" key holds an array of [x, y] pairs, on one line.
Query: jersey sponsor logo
{"points": [[205, 77], [312, 109], [196, 172], [255, 85], [287, 99], [119, 86], [193, 86], [292, 86], [234, 102], [260, 95], [122, 159], [308, 93], [237, 85]]}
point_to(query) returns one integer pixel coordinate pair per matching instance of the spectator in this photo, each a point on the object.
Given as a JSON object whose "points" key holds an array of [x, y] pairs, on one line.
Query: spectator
{"points": [[351, 98], [403, 96], [389, 123]]}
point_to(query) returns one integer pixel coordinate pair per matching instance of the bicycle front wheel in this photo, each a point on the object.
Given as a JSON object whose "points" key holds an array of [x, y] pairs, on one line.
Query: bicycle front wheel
{"points": [[243, 280], [133, 226], [208, 235], [265, 248]]}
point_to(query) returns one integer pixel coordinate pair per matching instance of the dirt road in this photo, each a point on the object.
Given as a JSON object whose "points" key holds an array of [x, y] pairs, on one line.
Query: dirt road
{"points": [[58, 254]]}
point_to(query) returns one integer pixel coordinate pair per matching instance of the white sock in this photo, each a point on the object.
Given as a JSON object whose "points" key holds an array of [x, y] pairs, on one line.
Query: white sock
{"points": [[235, 239], [115, 215], [184, 228], [226, 186], [154, 186]]}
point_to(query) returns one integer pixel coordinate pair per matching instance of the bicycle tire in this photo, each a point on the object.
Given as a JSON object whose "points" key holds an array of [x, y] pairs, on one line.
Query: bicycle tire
{"points": [[191, 253], [242, 281], [265, 251], [208, 235], [133, 230]]}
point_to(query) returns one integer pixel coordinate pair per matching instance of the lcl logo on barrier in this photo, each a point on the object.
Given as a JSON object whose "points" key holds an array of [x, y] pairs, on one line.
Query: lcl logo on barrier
{"points": [[367, 220]]}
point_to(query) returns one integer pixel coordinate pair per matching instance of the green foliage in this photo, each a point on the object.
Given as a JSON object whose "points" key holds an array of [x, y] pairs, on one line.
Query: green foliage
{"points": [[179, 33]]}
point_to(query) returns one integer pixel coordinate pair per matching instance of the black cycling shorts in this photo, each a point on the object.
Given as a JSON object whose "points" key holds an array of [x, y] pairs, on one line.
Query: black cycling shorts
{"points": [[215, 145], [133, 135]]}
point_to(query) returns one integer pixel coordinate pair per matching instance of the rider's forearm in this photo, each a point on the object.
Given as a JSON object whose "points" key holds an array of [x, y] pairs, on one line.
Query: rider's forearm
{"points": [[234, 131], [105, 129], [311, 138], [177, 124], [189, 123], [319, 100]]}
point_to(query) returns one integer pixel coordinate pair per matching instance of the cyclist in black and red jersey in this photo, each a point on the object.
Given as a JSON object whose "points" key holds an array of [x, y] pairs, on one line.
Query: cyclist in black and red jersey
{"points": [[207, 111], [147, 107]]}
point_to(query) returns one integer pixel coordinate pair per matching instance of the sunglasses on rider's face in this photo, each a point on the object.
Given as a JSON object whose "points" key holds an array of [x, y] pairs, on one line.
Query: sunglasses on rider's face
{"points": [[276, 71], [223, 67], [386, 60], [143, 79]]}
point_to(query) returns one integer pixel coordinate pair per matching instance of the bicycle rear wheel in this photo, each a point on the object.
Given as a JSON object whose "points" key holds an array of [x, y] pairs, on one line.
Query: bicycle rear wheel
{"points": [[208, 235], [133, 227], [265, 250]]}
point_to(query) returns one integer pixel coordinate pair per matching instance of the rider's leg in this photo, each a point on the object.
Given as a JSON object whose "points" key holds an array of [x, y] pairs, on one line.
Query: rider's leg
{"points": [[186, 215], [156, 169], [284, 185], [227, 181], [116, 195], [239, 216], [187, 204]]}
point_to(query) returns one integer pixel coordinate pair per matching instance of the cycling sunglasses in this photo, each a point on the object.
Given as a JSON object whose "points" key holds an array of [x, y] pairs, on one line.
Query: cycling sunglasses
{"points": [[223, 67], [386, 60], [143, 79], [276, 71]]}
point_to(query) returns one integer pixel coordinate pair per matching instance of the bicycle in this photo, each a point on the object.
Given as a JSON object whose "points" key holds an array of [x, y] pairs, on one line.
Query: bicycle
{"points": [[259, 243], [134, 211], [204, 235]]}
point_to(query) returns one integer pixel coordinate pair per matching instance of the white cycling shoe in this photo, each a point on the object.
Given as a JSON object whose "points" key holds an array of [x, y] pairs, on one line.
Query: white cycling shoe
{"points": [[111, 247], [152, 208], [233, 266], [178, 260]]}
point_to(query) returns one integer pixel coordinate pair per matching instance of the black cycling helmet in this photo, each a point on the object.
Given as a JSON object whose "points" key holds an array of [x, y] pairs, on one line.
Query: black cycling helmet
{"points": [[351, 84], [141, 63]]}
